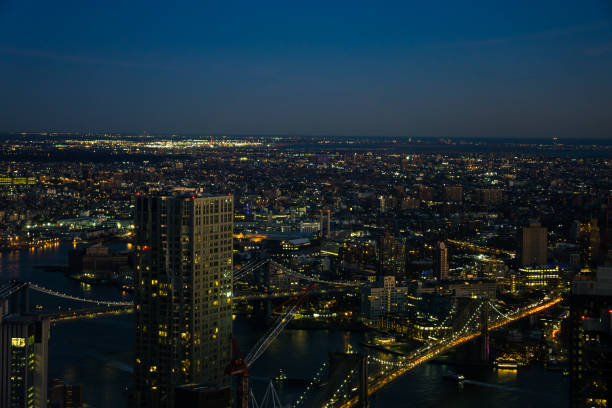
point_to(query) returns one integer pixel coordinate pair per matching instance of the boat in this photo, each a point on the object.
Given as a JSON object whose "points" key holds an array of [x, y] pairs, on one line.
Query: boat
{"points": [[451, 375], [506, 364]]}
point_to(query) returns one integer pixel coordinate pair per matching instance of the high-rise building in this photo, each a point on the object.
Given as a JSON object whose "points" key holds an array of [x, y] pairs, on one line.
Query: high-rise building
{"points": [[534, 246], [23, 359], [393, 254], [358, 257], [454, 193], [383, 298], [63, 395], [441, 261], [382, 205], [589, 243], [325, 223], [603, 227], [591, 340], [183, 294]]}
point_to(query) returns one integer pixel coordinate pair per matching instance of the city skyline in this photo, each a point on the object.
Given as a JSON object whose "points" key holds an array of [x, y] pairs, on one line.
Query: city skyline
{"points": [[351, 267], [348, 204]]}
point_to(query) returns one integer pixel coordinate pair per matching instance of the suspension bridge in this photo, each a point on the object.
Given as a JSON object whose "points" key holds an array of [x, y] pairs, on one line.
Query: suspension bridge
{"points": [[382, 372], [103, 307], [374, 374], [19, 292]]}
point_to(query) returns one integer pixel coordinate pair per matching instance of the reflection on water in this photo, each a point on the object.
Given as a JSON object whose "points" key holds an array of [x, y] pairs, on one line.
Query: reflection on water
{"points": [[506, 375], [299, 339], [98, 353]]}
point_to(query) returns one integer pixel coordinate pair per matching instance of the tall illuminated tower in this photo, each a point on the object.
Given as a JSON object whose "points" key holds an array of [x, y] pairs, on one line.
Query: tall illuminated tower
{"points": [[441, 261], [183, 294]]}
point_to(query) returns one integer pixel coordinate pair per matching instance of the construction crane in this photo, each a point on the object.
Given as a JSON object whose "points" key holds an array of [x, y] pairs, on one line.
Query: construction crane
{"points": [[240, 366]]}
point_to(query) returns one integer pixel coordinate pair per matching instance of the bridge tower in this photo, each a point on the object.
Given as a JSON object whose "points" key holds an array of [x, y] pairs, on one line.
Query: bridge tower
{"points": [[20, 298], [363, 401], [484, 328], [342, 363], [268, 307], [267, 275]]}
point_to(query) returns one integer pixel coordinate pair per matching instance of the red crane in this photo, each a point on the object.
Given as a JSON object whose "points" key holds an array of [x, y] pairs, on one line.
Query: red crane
{"points": [[240, 366]]}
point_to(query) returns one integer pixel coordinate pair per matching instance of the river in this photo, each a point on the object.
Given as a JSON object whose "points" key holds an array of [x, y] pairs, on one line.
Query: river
{"points": [[98, 353]]}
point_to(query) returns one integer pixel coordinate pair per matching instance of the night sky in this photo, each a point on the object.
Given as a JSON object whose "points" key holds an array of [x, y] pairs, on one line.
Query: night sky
{"points": [[415, 69]]}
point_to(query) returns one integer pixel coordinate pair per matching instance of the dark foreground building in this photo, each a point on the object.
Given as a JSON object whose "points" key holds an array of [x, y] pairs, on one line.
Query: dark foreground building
{"points": [[591, 340], [23, 359], [63, 395]]}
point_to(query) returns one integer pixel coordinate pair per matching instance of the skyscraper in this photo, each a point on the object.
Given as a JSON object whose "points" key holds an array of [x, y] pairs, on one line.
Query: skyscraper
{"points": [[534, 245], [23, 359], [325, 220], [441, 261], [393, 255], [183, 293], [589, 243]]}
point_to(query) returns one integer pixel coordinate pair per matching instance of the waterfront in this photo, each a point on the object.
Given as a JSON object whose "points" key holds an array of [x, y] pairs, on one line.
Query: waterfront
{"points": [[98, 353]]}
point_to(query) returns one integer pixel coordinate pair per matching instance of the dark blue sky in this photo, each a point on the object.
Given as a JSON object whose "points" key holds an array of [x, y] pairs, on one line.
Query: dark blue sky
{"points": [[427, 68]]}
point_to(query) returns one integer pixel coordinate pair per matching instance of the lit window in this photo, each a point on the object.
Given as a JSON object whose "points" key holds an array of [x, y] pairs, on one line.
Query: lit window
{"points": [[18, 342]]}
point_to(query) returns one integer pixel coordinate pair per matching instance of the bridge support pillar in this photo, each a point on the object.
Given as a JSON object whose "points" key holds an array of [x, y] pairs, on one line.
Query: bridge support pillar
{"points": [[363, 401], [532, 320], [14, 303], [340, 364], [484, 338], [25, 299], [268, 308], [19, 301]]}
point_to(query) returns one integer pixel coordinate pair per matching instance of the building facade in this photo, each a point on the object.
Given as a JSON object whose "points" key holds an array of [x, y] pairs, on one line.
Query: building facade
{"points": [[23, 359], [588, 243], [534, 245], [183, 294], [539, 276], [63, 395], [453, 193], [489, 195], [325, 223], [393, 255], [383, 298]]}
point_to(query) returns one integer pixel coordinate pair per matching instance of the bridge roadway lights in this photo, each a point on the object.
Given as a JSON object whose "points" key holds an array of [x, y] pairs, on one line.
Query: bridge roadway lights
{"points": [[442, 348]]}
